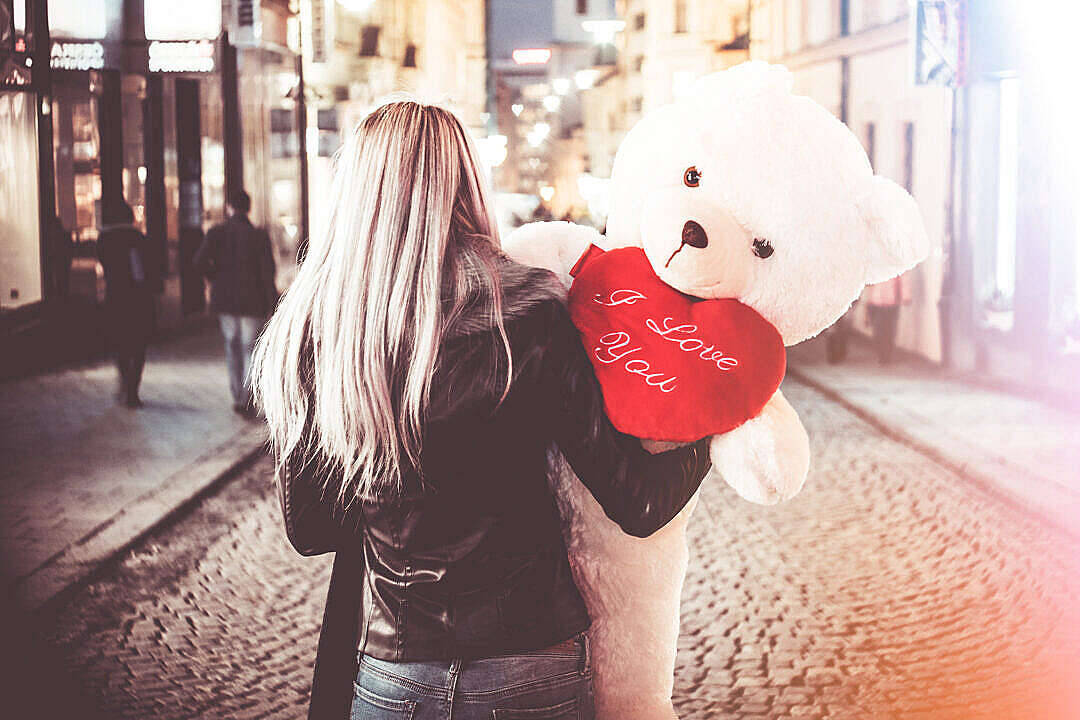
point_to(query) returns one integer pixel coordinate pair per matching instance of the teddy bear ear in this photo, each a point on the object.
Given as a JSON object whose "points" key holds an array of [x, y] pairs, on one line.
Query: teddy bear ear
{"points": [[898, 239]]}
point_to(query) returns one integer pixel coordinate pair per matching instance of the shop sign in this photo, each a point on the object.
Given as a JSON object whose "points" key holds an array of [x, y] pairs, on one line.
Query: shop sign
{"points": [[938, 42], [188, 56], [85, 19], [187, 20], [68, 55]]}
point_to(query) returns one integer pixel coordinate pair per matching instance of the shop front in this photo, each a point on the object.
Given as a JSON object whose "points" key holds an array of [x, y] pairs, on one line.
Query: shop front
{"points": [[22, 271], [1017, 260]]}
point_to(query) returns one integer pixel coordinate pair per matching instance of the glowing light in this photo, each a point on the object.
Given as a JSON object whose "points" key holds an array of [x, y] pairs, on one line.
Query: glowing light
{"points": [[516, 108], [547, 192], [552, 103], [356, 6], [561, 86], [586, 78], [142, 173], [492, 150], [603, 31], [538, 134], [532, 56]]}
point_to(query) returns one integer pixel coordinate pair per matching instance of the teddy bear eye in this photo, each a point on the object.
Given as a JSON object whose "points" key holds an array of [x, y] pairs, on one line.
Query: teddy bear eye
{"points": [[692, 177], [762, 247]]}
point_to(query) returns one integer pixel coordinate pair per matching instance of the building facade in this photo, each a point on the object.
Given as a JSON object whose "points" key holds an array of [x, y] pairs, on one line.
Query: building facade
{"points": [[662, 48], [359, 52], [986, 143], [163, 106], [853, 57]]}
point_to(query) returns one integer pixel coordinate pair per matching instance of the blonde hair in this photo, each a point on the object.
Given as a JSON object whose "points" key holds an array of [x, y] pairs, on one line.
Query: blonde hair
{"points": [[343, 369]]}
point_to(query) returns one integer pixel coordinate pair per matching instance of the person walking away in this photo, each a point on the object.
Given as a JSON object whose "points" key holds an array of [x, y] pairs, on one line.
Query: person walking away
{"points": [[126, 257], [883, 306], [238, 259], [414, 379]]}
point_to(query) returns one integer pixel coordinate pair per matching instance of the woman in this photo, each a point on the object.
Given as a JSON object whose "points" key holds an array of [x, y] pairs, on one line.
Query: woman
{"points": [[414, 379], [126, 258]]}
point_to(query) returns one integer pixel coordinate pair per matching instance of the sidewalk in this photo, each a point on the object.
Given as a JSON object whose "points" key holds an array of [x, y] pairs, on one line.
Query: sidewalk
{"points": [[1018, 448], [82, 477]]}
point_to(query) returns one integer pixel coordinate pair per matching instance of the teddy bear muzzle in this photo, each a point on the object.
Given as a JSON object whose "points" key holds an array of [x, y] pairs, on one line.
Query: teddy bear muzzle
{"points": [[693, 235]]}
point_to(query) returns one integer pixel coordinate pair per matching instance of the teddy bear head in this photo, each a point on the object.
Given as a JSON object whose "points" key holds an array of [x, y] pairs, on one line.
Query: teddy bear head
{"points": [[745, 190]]}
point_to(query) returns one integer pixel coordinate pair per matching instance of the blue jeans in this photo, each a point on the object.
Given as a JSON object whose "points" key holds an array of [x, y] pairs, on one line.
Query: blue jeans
{"points": [[541, 685], [240, 332]]}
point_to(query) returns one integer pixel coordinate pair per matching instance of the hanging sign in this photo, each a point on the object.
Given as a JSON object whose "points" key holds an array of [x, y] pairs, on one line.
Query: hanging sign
{"points": [[938, 42]]}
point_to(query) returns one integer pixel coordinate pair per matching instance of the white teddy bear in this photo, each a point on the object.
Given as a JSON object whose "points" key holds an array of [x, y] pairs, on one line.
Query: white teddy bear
{"points": [[746, 191]]}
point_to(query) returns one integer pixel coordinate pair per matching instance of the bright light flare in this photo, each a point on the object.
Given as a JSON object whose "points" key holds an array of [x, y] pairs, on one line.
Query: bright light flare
{"points": [[585, 79], [356, 6], [561, 86], [532, 56], [552, 103], [603, 31]]}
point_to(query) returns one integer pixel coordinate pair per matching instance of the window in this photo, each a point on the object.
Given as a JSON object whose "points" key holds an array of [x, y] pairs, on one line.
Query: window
{"points": [[369, 41], [410, 56], [993, 200], [680, 16], [639, 21], [582, 7], [284, 142], [328, 119]]}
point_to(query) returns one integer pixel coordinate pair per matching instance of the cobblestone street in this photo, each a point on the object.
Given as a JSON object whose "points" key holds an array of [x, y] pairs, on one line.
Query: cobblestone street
{"points": [[889, 588]]}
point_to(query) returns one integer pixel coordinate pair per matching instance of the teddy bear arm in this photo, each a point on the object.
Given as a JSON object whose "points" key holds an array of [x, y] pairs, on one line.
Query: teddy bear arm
{"points": [[766, 459], [554, 246]]}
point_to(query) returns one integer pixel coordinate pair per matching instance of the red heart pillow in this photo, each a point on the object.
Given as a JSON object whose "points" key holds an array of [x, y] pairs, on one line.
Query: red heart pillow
{"points": [[671, 366]]}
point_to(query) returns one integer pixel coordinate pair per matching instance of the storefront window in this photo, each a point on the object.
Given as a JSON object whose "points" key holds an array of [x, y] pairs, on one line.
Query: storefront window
{"points": [[77, 170], [20, 244], [994, 199]]}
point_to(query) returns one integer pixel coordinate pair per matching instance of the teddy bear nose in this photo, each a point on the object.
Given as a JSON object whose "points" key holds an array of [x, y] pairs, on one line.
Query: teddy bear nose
{"points": [[694, 235]]}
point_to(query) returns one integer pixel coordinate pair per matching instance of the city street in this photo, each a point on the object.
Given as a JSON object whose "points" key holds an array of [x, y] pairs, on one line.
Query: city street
{"points": [[890, 587]]}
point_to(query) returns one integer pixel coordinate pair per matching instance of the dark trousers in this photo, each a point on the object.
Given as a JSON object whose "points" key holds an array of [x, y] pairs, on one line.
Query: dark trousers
{"points": [[130, 359], [883, 325]]}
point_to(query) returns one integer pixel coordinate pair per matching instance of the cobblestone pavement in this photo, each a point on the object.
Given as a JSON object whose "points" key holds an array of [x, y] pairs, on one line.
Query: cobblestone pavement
{"points": [[888, 588]]}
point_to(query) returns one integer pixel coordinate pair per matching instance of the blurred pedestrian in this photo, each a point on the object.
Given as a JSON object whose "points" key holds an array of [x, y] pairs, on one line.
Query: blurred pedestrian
{"points": [[883, 307], [413, 381], [127, 260], [238, 258]]}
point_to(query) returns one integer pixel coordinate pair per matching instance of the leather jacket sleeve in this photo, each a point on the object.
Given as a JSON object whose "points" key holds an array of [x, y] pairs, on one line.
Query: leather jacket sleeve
{"points": [[640, 491], [312, 526]]}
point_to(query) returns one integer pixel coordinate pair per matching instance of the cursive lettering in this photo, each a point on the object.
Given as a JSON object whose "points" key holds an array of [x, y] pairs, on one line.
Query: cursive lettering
{"points": [[613, 348], [681, 336], [619, 297]]}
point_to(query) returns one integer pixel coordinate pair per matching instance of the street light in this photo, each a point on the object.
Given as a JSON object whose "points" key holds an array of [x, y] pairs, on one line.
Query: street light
{"points": [[603, 31], [585, 79], [532, 56]]}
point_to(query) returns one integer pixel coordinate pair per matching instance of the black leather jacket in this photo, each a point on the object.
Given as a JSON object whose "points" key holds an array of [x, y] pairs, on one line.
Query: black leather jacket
{"points": [[472, 561]]}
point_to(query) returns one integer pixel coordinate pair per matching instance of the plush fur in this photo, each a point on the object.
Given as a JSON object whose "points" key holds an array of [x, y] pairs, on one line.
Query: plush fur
{"points": [[772, 166]]}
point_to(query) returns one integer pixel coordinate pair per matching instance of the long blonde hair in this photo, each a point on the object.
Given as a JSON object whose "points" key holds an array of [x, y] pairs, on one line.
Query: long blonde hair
{"points": [[343, 369]]}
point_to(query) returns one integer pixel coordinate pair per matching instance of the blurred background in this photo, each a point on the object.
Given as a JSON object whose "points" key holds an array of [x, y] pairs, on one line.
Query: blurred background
{"points": [[929, 569]]}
